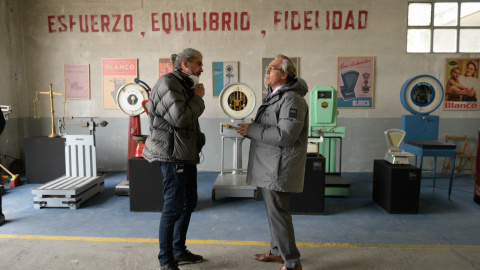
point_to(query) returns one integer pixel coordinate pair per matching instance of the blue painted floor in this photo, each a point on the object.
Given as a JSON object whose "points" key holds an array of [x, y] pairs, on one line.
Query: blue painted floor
{"points": [[356, 219]]}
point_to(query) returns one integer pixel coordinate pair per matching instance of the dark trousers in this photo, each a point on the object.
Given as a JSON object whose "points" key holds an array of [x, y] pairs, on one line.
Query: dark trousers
{"points": [[282, 241], [180, 195]]}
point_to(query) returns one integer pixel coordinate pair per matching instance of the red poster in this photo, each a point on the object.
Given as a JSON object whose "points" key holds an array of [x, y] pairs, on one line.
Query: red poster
{"points": [[116, 73], [164, 66]]}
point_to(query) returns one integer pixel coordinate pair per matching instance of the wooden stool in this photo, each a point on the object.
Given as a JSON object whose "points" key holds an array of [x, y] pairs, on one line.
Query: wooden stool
{"points": [[463, 154]]}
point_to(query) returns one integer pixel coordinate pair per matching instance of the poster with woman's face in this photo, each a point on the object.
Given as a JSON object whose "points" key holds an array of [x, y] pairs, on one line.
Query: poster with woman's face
{"points": [[462, 84]]}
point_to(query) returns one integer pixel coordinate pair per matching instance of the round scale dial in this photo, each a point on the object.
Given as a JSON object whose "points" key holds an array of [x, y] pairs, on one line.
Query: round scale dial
{"points": [[237, 100], [130, 97], [421, 94]]}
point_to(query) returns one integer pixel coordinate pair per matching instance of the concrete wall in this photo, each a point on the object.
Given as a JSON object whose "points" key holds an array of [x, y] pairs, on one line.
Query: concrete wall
{"points": [[12, 78], [43, 48]]}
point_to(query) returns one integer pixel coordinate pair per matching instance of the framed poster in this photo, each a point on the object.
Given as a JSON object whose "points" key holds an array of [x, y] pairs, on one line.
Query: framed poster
{"points": [[77, 81], [165, 66], [265, 62], [223, 74], [355, 77], [116, 73], [462, 84]]}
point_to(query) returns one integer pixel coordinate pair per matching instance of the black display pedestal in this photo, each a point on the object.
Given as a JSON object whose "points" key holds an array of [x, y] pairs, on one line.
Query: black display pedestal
{"points": [[146, 185], [396, 188], [312, 200], [44, 159]]}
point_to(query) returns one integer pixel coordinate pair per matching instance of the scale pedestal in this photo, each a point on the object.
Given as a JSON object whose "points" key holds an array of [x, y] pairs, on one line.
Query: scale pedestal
{"points": [[422, 95], [237, 100], [324, 132], [134, 129], [234, 184], [122, 189], [130, 99], [336, 186]]}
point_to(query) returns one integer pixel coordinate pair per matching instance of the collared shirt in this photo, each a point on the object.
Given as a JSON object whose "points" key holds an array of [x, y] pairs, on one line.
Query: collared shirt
{"points": [[276, 89]]}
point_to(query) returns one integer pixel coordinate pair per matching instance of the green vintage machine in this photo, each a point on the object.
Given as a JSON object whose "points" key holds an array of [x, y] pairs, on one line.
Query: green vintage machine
{"points": [[324, 132]]}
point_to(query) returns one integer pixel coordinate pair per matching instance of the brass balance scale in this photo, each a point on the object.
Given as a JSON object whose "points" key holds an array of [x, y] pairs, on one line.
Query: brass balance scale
{"points": [[36, 109]]}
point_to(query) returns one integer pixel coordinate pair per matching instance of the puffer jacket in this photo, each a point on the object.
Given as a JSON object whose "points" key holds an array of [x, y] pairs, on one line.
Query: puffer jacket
{"points": [[278, 148], [174, 110]]}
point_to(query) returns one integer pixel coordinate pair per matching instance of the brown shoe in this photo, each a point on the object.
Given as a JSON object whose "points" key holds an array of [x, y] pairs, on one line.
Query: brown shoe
{"points": [[267, 257], [285, 268]]}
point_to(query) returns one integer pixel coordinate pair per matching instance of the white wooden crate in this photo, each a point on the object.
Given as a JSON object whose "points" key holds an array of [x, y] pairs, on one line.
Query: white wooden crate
{"points": [[81, 181]]}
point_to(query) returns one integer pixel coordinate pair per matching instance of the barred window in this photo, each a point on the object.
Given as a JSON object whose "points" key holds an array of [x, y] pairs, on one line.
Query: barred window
{"points": [[443, 27]]}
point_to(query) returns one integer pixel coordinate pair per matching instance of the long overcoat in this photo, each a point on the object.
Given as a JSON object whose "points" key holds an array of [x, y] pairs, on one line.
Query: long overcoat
{"points": [[279, 135]]}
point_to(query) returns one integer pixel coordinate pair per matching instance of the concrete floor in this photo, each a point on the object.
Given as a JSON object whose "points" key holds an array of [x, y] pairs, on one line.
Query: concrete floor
{"points": [[354, 232]]}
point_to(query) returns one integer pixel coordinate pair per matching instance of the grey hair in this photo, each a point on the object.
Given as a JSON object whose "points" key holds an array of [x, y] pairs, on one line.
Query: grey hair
{"points": [[188, 54], [287, 67]]}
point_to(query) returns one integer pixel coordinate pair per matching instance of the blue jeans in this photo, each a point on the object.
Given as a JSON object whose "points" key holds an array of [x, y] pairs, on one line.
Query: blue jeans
{"points": [[180, 195]]}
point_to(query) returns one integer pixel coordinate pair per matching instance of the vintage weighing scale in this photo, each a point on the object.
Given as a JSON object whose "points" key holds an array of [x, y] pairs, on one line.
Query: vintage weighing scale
{"points": [[421, 95], [130, 99], [324, 132], [395, 153], [36, 110], [237, 101], [91, 125], [349, 78]]}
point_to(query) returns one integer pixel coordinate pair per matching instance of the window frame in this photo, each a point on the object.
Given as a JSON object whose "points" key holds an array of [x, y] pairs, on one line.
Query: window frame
{"points": [[432, 27]]}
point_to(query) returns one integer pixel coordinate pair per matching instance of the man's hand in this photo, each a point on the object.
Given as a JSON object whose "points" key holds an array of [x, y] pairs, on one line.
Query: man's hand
{"points": [[199, 90], [242, 128]]}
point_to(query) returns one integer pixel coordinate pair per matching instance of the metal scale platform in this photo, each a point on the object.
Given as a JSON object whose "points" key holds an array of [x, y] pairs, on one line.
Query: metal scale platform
{"points": [[81, 180], [237, 101], [325, 133]]}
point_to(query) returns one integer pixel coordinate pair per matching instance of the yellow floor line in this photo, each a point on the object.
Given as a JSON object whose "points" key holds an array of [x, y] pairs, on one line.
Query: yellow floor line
{"points": [[240, 243]]}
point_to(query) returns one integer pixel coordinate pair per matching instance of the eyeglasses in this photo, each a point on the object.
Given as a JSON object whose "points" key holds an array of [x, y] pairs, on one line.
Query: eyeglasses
{"points": [[269, 68]]}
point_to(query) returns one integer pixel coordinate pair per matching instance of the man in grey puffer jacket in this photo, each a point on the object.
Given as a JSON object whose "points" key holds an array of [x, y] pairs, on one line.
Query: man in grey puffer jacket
{"points": [[174, 106], [278, 152]]}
